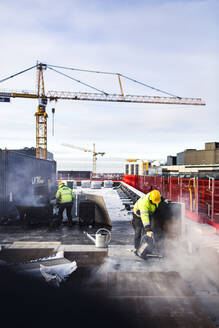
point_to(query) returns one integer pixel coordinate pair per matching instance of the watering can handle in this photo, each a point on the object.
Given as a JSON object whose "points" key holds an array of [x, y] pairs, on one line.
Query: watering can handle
{"points": [[108, 234]]}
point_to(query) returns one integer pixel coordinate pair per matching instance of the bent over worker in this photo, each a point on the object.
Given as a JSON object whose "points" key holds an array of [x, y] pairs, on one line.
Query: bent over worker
{"points": [[143, 208], [64, 200]]}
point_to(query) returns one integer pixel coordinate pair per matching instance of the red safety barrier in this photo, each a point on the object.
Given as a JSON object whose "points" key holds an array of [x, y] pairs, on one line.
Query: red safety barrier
{"points": [[200, 196]]}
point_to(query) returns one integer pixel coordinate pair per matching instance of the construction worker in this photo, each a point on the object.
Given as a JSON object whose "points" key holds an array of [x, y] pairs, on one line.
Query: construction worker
{"points": [[143, 208], [64, 200]]}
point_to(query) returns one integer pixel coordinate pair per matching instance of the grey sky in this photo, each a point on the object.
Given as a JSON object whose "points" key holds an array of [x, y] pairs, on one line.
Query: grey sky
{"points": [[172, 45]]}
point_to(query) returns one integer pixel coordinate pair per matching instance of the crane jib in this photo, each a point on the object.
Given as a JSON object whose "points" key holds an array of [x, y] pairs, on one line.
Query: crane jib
{"points": [[66, 95]]}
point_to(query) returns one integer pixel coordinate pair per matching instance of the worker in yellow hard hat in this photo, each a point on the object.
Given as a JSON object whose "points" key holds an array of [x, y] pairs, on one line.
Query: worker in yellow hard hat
{"points": [[143, 208], [64, 200]]}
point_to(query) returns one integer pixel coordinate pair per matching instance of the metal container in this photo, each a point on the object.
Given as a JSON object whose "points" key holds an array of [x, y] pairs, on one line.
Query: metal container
{"points": [[102, 238], [21, 176]]}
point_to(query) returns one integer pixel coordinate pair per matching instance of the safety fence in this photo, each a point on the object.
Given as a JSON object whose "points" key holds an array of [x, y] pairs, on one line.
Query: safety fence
{"points": [[200, 196]]}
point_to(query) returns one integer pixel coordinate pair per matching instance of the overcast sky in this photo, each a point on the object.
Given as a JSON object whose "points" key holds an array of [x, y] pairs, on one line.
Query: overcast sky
{"points": [[171, 45]]}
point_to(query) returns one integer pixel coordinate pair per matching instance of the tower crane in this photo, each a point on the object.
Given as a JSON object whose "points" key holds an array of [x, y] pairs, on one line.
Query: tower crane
{"points": [[42, 96], [95, 154]]}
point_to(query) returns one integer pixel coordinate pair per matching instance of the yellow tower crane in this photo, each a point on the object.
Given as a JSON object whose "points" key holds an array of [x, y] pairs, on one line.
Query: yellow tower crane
{"points": [[41, 116], [43, 97], [95, 154]]}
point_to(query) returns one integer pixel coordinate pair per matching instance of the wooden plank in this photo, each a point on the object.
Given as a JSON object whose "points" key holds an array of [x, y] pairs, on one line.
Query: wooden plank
{"points": [[42, 244], [20, 255]]}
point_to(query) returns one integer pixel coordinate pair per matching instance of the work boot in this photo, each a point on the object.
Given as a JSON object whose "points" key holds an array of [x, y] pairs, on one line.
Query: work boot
{"points": [[136, 253], [70, 223]]}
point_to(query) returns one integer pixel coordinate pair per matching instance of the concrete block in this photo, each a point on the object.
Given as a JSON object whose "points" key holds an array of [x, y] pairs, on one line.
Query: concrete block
{"points": [[85, 255]]}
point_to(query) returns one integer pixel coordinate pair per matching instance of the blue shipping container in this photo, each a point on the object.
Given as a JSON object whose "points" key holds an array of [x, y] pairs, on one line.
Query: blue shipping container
{"points": [[19, 175]]}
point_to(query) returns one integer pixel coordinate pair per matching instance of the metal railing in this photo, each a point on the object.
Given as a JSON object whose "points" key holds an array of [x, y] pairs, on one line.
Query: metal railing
{"points": [[200, 196]]}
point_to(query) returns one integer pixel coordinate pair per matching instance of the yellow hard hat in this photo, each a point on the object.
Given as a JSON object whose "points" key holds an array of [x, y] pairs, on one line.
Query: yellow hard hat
{"points": [[155, 196], [61, 183]]}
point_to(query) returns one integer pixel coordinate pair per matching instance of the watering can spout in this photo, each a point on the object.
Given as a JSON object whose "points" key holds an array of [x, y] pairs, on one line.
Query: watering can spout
{"points": [[90, 237]]}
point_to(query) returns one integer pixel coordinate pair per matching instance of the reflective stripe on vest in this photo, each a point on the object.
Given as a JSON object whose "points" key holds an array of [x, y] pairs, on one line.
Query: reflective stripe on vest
{"points": [[65, 195]]}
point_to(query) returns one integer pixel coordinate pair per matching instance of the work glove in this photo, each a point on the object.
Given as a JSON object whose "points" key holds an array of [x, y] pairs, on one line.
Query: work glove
{"points": [[150, 234], [148, 231]]}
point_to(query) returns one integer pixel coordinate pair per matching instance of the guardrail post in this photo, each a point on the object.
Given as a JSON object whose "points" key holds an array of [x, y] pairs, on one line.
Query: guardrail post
{"points": [[197, 196], [212, 200], [163, 185], [211, 187], [180, 190], [170, 188]]}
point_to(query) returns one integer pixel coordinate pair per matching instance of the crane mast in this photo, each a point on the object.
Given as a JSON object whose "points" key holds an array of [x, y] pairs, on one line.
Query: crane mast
{"points": [[94, 160], [41, 115]]}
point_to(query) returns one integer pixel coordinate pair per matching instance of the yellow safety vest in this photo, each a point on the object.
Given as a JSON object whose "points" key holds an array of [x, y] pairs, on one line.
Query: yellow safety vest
{"points": [[64, 195], [145, 207]]}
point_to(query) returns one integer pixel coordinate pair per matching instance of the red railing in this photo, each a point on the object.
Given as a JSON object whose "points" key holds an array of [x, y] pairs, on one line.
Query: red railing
{"points": [[200, 196]]}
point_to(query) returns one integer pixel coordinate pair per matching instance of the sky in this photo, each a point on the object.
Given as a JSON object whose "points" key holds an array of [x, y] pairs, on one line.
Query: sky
{"points": [[170, 45]]}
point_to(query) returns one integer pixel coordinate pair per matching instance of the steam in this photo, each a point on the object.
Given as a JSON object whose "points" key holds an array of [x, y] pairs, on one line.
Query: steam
{"points": [[30, 182], [192, 256], [22, 187]]}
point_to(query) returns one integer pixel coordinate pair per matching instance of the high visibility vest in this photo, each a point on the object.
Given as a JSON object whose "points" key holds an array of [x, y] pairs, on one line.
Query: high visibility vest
{"points": [[64, 195], [145, 207]]}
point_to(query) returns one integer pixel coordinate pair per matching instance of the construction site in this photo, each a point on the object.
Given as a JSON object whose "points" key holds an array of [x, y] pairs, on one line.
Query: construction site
{"points": [[89, 272]]}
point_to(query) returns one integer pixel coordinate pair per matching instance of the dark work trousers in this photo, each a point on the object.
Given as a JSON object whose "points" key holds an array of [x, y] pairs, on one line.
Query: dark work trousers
{"points": [[139, 229], [155, 227], [68, 207]]}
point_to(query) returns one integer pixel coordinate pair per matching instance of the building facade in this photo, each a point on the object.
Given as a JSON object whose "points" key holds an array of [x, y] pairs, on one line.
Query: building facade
{"points": [[209, 155], [136, 167]]}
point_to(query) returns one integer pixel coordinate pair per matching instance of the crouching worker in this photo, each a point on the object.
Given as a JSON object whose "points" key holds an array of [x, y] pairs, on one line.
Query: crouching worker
{"points": [[64, 200], [143, 209]]}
